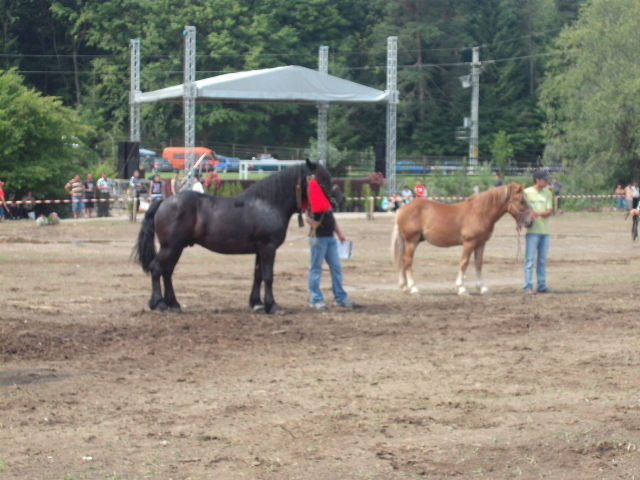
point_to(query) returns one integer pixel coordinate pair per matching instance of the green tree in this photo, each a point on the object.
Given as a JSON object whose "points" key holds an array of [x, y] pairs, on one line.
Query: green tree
{"points": [[501, 149], [592, 93], [41, 139]]}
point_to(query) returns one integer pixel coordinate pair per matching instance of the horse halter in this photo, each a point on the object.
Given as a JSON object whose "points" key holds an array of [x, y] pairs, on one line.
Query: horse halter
{"points": [[512, 204]]}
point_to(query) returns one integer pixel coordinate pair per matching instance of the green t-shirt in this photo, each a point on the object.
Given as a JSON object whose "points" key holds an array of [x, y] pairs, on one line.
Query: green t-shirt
{"points": [[539, 201]]}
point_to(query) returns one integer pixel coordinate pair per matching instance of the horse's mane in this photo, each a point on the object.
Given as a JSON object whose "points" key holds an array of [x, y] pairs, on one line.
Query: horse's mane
{"points": [[490, 199], [276, 186]]}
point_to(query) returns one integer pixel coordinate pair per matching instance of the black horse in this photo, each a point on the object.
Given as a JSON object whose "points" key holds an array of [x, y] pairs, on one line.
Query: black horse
{"points": [[255, 221]]}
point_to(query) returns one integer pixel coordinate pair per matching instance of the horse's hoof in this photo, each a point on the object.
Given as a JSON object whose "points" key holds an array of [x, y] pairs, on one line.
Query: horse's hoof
{"points": [[175, 308], [463, 292], [275, 310], [258, 307], [160, 306], [414, 290], [485, 291]]}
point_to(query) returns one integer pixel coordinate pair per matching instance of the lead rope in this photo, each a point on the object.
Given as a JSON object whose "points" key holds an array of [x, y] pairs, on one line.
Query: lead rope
{"points": [[519, 230], [299, 200]]}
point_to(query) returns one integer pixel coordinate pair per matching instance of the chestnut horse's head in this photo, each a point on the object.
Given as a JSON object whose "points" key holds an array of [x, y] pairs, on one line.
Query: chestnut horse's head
{"points": [[518, 206]]}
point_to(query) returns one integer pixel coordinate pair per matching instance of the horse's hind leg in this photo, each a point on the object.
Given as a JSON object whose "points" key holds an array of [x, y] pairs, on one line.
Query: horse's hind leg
{"points": [[156, 302], [267, 259], [171, 260], [410, 284], [478, 256], [162, 266]]}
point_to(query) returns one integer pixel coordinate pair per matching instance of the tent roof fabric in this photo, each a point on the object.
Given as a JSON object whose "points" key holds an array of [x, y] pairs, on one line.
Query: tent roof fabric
{"points": [[289, 84]]}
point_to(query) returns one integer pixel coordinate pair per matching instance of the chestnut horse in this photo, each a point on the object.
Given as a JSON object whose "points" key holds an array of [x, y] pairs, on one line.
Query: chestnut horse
{"points": [[469, 223]]}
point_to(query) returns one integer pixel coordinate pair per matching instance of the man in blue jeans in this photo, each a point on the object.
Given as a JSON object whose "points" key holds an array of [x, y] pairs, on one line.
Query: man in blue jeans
{"points": [[324, 246], [540, 200]]}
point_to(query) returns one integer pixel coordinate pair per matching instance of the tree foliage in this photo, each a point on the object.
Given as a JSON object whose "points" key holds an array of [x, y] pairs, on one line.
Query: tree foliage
{"points": [[41, 139], [592, 93], [78, 51]]}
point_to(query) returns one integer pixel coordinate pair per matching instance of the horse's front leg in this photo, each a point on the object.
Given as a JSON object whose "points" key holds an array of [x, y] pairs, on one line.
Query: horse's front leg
{"points": [[478, 257], [254, 299], [267, 259], [467, 248]]}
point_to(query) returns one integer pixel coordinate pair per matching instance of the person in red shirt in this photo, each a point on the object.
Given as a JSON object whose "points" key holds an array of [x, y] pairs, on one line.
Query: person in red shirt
{"points": [[3, 204], [420, 190]]}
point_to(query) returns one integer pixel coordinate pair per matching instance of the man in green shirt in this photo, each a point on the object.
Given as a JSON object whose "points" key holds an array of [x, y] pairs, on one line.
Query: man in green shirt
{"points": [[541, 201]]}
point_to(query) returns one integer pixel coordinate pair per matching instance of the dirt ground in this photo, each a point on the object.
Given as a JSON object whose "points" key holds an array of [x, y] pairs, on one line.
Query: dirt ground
{"points": [[503, 386]]}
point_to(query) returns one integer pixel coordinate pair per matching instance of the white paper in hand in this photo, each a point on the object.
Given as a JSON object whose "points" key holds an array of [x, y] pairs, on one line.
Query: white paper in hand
{"points": [[345, 249]]}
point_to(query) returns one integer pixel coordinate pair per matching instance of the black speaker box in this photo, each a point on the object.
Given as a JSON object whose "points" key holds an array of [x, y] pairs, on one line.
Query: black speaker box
{"points": [[381, 157], [128, 159]]}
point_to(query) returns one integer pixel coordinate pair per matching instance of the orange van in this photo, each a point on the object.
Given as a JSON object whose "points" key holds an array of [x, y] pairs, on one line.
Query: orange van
{"points": [[177, 156]]}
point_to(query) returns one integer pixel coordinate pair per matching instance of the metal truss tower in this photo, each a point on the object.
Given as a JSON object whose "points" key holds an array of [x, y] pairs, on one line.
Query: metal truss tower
{"points": [[189, 94], [392, 111], [323, 108], [134, 106]]}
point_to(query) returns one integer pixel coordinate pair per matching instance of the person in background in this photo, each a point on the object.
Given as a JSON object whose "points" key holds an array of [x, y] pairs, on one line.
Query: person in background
{"points": [[156, 189], [75, 188], [3, 203], [197, 186], [324, 246], [538, 235], [620, 203], [136, 183], [104, 189], [420, 190], [635, 193], [387, 204], [175, 182], [14, 209], [89, 194], [28, 205], [397, 201], [628, 196], [407, 196], [499, 182], [556, 188]]}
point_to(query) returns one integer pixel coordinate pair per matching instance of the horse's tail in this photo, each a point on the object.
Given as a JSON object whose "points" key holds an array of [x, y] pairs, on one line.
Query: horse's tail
{"points": [[145, 250], [397, 246]]}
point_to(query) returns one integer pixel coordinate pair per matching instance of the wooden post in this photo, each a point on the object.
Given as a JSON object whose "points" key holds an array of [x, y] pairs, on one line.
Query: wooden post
{"points": [[370, 203]]}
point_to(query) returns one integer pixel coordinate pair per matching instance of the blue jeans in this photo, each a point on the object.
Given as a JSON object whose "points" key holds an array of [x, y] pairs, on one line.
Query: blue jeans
{"points": [[536, 244], [325, 248], [77, 204]]}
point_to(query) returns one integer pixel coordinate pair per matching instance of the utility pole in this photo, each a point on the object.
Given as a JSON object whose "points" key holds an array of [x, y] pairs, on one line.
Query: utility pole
{"points": [[475, 100]]}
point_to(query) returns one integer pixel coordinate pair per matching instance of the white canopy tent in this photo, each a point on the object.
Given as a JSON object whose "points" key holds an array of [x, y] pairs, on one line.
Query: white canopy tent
{"points": [[290, 84]]}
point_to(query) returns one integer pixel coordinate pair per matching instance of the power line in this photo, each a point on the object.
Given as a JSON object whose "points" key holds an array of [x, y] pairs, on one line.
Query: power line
{"points": [[333, 69]]}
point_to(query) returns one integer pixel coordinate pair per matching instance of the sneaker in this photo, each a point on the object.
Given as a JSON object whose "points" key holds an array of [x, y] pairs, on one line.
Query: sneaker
{"points": [[546, 290], [318, 306], [529, 291], [344, 303]]}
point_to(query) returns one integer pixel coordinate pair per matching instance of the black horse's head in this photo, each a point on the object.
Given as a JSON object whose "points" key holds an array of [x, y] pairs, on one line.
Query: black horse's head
{"points": [[323, 177]]}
